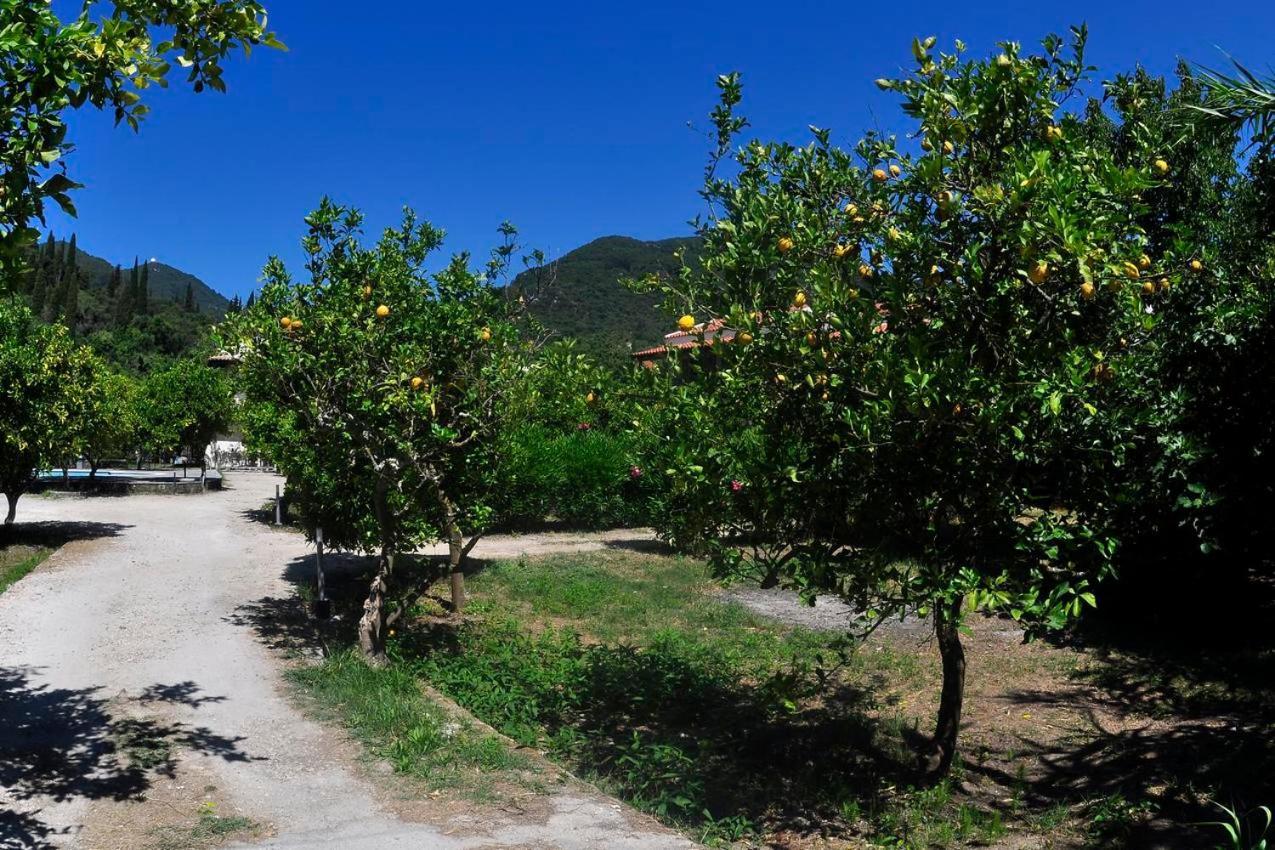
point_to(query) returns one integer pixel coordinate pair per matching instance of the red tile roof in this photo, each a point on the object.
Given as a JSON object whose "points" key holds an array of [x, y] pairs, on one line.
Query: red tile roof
{"points": [[703, 333]]}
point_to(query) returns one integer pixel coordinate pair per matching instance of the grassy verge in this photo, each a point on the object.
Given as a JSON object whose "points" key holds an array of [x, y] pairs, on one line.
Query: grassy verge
{"points": [[635, 672], [387, 711], [17, 561]]}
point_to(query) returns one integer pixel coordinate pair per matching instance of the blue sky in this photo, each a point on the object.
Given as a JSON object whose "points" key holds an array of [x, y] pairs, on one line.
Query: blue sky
{"points": [[568, 119]]}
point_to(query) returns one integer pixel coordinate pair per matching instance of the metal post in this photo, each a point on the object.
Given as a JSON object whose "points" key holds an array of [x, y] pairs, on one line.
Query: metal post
{"points": [[278, 507], [322, 607]]}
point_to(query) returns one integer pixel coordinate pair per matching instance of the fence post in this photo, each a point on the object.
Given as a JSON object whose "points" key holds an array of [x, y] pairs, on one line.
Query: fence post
{"points": [[322, 607], [278, 507]]}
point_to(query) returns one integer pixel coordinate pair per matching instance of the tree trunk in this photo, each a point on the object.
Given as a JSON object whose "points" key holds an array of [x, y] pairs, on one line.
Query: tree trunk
{"points": [[456, 567], [947, 621], [12, 496], [93, 471], [372, 624]]}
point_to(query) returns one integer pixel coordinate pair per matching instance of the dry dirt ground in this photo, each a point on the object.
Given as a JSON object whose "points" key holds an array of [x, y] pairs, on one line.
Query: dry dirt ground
{"points": [[139, 707]]}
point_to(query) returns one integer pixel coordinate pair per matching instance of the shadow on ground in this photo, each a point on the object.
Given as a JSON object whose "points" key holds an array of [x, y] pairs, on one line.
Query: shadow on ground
{"points": [[53, 534], [66, 744]]}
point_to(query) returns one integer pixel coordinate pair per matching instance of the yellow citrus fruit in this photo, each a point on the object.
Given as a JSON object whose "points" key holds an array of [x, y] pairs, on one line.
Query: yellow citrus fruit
{"points": [[745, 337], [1161, 167], [840, 251], [1148, 288], [367, 290], [590, 398], [1130, 270], [485, 334], [895, 234], [1053, 133], [895, 171], [854, 295], [927, 145], [811, 339], [1144, 262], [865, 270], [1004, 61], [1038, 272], [879, 175], [852, 209], [799, 300], [1087, 291], [382, 311], [686, 322], [1163, 283], [785, 245], [285, 322], [1196, 266], [418, 382], [296, 325], [949, 148]]}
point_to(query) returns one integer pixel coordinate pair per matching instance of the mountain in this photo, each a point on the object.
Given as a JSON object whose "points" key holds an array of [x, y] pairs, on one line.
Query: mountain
{"points": [[166, 283], [583, 296]]}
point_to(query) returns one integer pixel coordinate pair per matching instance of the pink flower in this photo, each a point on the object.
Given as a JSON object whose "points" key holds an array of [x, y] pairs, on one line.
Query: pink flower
{"points": [[736, 485], [881, 328], [635, 472], [583, 426]]}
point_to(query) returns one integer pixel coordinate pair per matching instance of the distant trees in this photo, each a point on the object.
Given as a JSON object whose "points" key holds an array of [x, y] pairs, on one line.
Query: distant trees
{"points": [[183, 407]]}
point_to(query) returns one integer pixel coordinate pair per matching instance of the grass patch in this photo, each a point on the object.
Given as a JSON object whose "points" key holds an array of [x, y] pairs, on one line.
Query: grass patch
{"points": [[635, 672], [386, 710], [210, 830], [17, 561]]}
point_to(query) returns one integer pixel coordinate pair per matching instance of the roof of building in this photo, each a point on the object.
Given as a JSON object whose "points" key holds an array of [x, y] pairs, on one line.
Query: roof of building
{"points": [[705, 333]]}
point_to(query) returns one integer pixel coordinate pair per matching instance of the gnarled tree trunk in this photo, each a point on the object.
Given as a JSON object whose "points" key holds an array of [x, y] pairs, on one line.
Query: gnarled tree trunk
{"points": [[12, 495], [947, 621], [372, 626]]}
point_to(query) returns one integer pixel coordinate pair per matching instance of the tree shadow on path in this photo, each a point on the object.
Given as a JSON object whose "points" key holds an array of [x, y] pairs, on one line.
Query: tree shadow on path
{"points": [[62, 744], [52, 533]]}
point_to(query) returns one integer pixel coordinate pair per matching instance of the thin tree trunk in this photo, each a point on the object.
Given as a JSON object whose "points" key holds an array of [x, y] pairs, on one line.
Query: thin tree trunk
{"points": [[456, 566], [947, 620], [92, 471], [12, 497]]}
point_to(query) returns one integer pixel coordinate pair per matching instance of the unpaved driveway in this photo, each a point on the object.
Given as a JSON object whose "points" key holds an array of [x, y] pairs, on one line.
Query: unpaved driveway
{"points": [[133, 634]]}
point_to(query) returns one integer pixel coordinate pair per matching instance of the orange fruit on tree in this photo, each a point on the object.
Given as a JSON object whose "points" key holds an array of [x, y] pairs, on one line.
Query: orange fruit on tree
{"points": [[1038, 272], [745, 338], [799, 300], [590, 398], [840, 251], [1087, 291], [926, 145], [785, 245], [1196, 266], [485, 334], [1148, 288], [1130, 270], [296, 325], [1144, 262], [367, 291], [1161, 167], [686, 323], [418, 382], [382, 312], [1163, 283], [949, 148], [879, 175], [895, 171], [285, 322], [852, 209], [865, 270]]}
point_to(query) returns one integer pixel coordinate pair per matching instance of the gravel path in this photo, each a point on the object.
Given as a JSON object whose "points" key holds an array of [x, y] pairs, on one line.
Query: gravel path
{"points": [[130, 632]]}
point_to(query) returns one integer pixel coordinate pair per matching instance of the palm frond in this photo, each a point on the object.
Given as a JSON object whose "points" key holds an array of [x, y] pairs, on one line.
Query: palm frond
{"points": [[1241, 98]]}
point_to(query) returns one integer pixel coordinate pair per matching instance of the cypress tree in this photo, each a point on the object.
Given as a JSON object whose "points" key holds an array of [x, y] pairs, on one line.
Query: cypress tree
{"points": [[252, 300], [39, 288], [113, 285], [189, 306], [144, 290]]}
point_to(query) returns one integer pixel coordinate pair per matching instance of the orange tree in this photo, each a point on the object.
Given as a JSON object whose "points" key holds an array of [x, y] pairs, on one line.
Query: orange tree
{"points": [[44, 380], [927, 393], [379, 390]]}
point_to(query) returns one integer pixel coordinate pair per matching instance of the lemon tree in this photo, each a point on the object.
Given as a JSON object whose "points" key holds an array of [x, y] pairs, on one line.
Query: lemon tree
{"points": [[44, 378], [109, 423], [930, 386], [381, 389], [105, 57]]}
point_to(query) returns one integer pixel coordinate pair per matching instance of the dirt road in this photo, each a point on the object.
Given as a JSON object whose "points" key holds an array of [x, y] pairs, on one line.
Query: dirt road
{"points": [[133, 691]]}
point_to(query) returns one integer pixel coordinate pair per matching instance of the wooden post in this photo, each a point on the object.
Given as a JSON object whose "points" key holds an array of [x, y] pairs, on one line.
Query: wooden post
{"points": [[318, 562]]}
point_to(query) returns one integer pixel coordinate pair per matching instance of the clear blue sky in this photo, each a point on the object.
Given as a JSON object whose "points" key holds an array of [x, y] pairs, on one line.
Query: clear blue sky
{"points": [[568, 119]]}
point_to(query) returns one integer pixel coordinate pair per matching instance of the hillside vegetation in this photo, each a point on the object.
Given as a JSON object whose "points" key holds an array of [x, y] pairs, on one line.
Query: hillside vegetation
{"points": [[585, 298], [134, 317]]}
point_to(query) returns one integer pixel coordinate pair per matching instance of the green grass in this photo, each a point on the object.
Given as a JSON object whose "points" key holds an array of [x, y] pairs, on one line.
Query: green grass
{"points": [[17, 561], [386, 709], [637, 673]]}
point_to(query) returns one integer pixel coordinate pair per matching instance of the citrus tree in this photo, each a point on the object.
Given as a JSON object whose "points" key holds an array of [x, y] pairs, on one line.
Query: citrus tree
{"points": [[380, 389], [105, 57], [929, 385], [183, 407], [44, 377], [108, 425]]}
